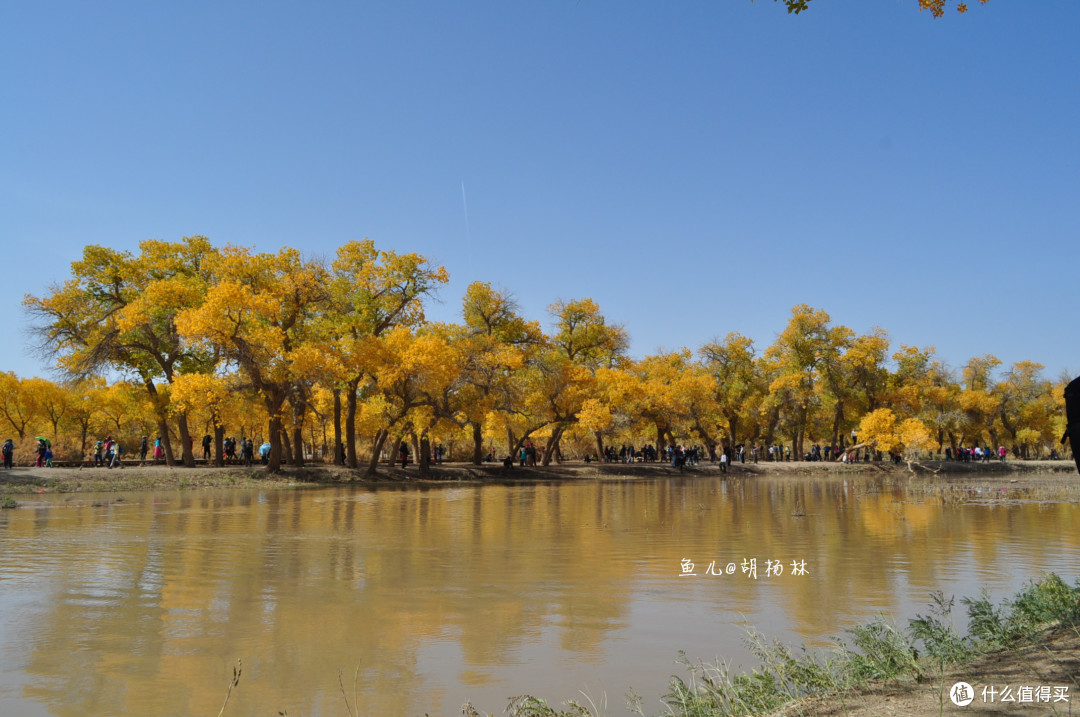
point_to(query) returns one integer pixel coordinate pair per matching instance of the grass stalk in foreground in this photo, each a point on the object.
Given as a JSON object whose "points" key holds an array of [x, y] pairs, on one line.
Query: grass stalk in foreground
{"points": [[237, 669]]}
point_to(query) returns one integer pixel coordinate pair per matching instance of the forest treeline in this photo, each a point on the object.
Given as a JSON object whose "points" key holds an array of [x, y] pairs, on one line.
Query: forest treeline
{"points": [[335, 360]]}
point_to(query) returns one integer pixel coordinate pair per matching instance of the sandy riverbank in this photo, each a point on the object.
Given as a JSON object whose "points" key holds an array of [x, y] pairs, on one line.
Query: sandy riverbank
{"points": [[33, 480], [1051, 660]]}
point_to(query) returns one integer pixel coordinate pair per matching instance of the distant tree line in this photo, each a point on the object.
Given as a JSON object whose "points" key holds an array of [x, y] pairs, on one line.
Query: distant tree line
{"points": [[335, 360]]}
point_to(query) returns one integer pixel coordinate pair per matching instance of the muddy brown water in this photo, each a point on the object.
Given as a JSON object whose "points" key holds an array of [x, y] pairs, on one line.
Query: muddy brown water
{"points": [[431, 596]]}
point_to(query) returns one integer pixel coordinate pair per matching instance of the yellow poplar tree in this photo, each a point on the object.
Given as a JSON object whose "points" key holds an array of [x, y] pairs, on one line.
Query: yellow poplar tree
{"points": [[564, 373], [738, 385], [1027, 406], [18, 403], [979, 406], [220, 396], [494, 343], [674, 394], [258, 315], [877, 429], [54, 403], [118, 312], [914, 435], [371, 292], [806, 359], [881, 430], [407, 369]]}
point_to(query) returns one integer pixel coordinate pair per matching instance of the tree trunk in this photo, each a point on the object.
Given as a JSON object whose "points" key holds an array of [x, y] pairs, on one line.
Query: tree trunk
{"points": [[166, 441], [599, 445], [772, 422], [298, 405], [478, 444], [219, 446], [298, 443], [162, 423], [838, 419], [186, 449], [423, 460], [286, 447], [339, 459], [273, 463], [709, 444], [549, 449], [376, 449], [84, 428], [511, 444], [660, 444], [350, 425]]}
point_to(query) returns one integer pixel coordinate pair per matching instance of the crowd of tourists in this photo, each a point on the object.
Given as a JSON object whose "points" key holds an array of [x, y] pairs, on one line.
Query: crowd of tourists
{"points": [[109, 453], [726, 455], [438, 452], [978, 454], [229, 448]]}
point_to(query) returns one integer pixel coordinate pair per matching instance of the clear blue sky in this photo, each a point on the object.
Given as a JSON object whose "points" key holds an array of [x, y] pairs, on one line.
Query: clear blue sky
{"points": [[697, 167]]}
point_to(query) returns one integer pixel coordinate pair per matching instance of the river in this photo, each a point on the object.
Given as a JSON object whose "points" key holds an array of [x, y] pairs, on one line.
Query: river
{"points": [[423, 597]]}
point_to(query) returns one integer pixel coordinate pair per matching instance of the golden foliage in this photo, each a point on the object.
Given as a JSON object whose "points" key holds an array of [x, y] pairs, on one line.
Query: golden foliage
{"points": [[223, 325], [878, 429], [594, 415]]}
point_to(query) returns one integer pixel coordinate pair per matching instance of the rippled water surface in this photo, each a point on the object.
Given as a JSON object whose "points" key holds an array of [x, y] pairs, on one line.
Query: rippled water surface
{"points": [[141, 606]]}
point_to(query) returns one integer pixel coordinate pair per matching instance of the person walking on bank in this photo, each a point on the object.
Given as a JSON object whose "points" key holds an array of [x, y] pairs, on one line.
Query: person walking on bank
{"points": [[9, 453], [206, 441], [117, 461], [110, 451], [143, 448]]}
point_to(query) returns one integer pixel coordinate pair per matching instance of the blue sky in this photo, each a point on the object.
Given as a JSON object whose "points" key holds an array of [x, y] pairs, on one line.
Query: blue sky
{"points": [[697, 167]]}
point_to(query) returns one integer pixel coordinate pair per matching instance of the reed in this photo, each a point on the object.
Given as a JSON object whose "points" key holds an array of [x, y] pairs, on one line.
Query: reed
{"points": [[877, 652]]}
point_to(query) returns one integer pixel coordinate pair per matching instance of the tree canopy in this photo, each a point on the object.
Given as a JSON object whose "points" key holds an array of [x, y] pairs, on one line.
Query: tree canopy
{"points": [[337, 361]]}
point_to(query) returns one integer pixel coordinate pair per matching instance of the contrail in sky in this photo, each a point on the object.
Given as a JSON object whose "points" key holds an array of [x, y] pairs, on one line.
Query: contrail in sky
{"points": [[468, 232]]}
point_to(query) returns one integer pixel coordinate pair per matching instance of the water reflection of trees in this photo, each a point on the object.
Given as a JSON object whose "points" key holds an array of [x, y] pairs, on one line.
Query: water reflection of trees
{"points": [[142, 607]]}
